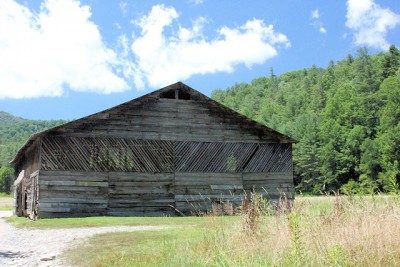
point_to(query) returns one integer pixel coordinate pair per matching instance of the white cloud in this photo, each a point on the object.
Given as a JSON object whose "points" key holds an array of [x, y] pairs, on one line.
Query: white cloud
{"points": [[317, 22], [370, 22], [44, 53], [59, 48], [161, 59], [197, 2], [315, 14], [123, 6]]}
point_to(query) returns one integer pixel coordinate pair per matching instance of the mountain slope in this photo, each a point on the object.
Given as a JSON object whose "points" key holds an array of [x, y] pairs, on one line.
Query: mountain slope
{"points": [[14, 131], [346, 118]]}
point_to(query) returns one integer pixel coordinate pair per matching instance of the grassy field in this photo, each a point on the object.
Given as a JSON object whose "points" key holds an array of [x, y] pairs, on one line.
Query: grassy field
{"points": [[342, 231], [333, 231], [5, 201], [109, 221]]}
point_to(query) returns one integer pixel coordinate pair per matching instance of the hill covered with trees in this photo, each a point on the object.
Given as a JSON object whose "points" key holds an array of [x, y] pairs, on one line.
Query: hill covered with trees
{"points": [[14, 131], [346, 119]]}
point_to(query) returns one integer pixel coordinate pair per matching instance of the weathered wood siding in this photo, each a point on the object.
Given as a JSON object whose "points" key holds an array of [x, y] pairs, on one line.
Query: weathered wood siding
{"points": [[141, 194], [106, 154], [153, 177], [166, 119], [65, 193], [272, 185], [131, 155], [27, 189], [195, 192], [31, 161], [69, 193]]}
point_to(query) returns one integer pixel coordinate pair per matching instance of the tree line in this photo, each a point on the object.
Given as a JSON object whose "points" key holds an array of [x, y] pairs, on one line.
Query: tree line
{"points": [[345, 117]]}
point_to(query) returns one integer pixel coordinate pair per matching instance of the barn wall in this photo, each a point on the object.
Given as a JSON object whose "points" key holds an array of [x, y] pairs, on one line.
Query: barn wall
{"points": [[195, 192], [69, 193], [26, 198], [106, 154], [164, 156], [272, 185], [116, 176], [66, 193], [31, 161], [141, 194], [167, 119]]}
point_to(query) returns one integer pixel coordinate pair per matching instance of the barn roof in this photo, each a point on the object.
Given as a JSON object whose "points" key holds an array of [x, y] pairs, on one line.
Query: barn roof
{"points": [[187, 91]]}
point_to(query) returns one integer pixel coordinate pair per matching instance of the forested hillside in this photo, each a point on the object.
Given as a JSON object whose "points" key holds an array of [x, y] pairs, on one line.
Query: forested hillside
{"points": [[14, 132], [346, 119]]}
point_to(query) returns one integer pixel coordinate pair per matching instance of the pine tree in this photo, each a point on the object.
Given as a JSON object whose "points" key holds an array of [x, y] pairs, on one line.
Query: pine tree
{"points": [[391, 62]]}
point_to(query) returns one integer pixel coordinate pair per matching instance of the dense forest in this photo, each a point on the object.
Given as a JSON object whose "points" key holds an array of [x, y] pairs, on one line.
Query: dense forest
{"points": [[346, 119]]}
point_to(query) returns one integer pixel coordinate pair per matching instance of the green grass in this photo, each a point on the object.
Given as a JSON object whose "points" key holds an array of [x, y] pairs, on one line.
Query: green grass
{"points": [[108, 221], [6, 201], [315, 205], [317, 232], [149, 248]]}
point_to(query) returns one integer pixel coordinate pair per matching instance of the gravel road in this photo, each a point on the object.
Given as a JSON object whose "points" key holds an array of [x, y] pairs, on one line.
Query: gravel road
{"points": [[42, 247]]}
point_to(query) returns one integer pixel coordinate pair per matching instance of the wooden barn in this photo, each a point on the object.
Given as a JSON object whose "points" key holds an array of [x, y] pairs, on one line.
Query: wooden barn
{"points": [[173, 151]]}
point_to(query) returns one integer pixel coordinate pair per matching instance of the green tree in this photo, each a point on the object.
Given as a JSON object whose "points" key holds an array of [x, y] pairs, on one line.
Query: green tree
{"points": [[345, 118], [6, 179], [365, 74], [391, 62], [389, 127]]}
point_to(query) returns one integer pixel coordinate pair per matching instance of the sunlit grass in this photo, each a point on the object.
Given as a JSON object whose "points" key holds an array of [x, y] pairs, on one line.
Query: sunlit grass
{"points": [[109, 221], [5, 195], [6, 201], [342, 231]]}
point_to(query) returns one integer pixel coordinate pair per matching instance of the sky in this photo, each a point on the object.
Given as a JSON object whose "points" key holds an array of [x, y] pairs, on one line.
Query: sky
{"points": [[65, 59]]}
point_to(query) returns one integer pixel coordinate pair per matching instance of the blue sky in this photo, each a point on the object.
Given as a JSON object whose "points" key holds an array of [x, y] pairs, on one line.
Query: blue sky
{"points": [[64, 59]]}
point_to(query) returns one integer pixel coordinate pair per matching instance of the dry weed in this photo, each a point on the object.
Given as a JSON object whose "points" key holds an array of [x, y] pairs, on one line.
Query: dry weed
{"points": [[362, 232]]}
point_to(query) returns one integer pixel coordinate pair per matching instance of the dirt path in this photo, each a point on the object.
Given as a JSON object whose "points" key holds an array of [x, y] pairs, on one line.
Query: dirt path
{"points": [[42, 247]]}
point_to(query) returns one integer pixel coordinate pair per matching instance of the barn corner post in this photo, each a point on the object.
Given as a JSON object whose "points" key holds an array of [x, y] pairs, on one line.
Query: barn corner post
{"points": [[17, 189], [36, 180], [173, 151]]}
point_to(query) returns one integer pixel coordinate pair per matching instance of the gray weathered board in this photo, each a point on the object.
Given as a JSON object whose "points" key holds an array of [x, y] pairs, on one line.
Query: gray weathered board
{"points": [[122, 193]]}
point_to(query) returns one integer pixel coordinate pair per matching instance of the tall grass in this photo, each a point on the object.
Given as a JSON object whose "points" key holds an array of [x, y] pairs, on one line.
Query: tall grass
{"points": [[339, 231], [356, 231]]}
